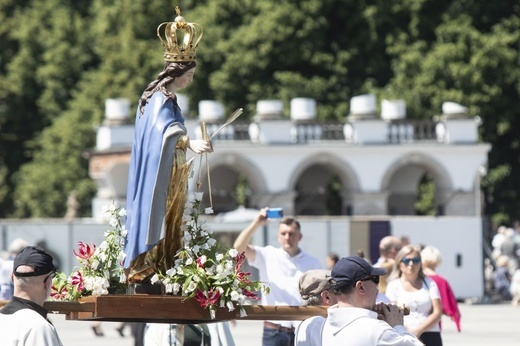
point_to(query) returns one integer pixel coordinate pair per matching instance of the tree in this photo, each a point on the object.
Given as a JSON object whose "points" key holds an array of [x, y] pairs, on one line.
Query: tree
{"points": [[477, 69]]}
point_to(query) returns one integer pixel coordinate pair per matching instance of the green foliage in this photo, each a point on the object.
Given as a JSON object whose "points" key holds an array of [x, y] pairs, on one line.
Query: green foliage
{"points": [[425, 202]]}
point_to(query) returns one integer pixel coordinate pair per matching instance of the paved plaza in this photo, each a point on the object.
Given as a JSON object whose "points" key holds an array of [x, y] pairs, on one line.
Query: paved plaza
{"points": [[486, 324]]}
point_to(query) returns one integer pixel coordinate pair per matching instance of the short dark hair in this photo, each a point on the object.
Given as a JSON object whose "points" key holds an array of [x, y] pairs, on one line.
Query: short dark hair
{"points": [[290, 221], [338, 289]]}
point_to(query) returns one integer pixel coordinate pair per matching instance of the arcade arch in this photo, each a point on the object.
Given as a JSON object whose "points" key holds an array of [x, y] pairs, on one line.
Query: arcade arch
{"points": [[323, 185], [227, 172], [402, 179]]}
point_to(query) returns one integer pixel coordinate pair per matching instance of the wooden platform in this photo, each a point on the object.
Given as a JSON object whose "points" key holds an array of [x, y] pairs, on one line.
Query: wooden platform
{"points": [[169, 309]]}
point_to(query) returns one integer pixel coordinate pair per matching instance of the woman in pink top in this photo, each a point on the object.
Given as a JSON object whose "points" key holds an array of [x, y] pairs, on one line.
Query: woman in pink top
{"points": [[431, 259]]}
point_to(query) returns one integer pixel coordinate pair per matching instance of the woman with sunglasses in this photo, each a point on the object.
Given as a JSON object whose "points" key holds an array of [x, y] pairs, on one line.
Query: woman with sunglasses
{"points": [[410, 287]]}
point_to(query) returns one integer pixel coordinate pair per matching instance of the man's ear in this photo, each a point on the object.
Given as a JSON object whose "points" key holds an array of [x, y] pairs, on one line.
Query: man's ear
{"points": [[325, 297], [360, 287]]}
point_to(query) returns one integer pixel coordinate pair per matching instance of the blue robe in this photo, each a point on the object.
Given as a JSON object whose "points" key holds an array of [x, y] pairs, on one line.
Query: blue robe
{"points": [[157, 131]]}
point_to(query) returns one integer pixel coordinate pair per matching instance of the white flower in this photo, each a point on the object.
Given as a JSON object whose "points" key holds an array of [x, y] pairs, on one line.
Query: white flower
{"points": [[234, 295], [198, 196], [203, 259], [212, 242], [212, 313], [154, 279], [230, 265], [168, 288], [191, 287], [171, 272], [114, 222], [219, 257], [176, 287], [243, 312], [189, 261], [124, 233], [196, 249], [208, 211], [122, 212], [233, 253], [230, 306]]}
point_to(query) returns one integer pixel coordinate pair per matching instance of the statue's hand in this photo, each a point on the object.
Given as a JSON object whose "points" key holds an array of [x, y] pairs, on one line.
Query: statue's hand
{"points": [[200, 146]]}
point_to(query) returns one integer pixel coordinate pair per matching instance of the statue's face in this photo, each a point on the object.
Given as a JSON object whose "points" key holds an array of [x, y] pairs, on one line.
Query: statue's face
{"points": [[184, 80]]}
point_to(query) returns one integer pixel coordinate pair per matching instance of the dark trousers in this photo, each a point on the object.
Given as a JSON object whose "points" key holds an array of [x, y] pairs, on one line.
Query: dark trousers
{"points": [[273, 337], [431, 338]]}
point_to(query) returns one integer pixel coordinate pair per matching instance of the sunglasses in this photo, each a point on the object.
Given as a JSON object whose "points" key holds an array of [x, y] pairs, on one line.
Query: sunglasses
{"points": [[51, 275], [373, 278], [407, 261]]}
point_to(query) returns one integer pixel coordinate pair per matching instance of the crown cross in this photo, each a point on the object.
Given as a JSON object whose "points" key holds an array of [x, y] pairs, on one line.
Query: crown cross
{"points": [[179, 39]]}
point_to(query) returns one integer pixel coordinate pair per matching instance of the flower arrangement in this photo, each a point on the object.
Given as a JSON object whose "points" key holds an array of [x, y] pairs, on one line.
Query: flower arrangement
{"points": [[203, 271], [100, 268]]}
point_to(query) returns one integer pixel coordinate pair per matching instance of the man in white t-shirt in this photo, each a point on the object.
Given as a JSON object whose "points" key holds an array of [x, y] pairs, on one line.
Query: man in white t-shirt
{"points": [[315, 290], [281, 268]]}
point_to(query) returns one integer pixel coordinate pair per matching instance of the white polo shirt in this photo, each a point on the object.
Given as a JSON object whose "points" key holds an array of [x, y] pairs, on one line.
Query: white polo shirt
{"points": [[282, 272]]}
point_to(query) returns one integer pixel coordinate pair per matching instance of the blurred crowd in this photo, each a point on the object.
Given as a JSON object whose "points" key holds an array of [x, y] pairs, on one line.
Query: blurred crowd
{"points": [[504, 276]]}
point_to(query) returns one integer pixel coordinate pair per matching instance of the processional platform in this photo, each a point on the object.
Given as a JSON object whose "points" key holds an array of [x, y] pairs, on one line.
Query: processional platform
{"points": [[169, 309]]}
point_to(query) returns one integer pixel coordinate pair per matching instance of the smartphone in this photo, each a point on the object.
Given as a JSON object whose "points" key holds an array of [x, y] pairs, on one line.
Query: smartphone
{"points": [[274, 213]]}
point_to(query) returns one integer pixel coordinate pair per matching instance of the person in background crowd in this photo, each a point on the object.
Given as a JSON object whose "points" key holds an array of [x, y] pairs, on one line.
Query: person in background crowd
{"points": [[431, 259], [281, 268], [413, 289], [6, 268], [514, 288], [503, 278], [211, 334], [388, 265], [510, 248], [24, 319], [356, 320], [315, 290], [405, 240], [389, 246], [331, 259], [497, 241]]}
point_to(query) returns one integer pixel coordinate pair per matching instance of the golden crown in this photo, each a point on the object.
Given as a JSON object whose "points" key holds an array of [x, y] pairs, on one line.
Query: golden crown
{"points": [[180, 39]]}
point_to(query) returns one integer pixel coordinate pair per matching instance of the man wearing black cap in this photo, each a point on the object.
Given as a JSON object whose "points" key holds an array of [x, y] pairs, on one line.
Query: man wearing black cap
{"points": [[24, 320], [356, 319]]}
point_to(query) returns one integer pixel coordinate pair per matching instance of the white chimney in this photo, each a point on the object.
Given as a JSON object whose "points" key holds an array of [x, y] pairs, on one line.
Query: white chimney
{"points": [[210, 111], [303, 109]]}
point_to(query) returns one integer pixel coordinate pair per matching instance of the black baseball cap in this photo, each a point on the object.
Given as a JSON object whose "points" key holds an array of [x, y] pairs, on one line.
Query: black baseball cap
{"points": [[35, 257], [349, 270]]}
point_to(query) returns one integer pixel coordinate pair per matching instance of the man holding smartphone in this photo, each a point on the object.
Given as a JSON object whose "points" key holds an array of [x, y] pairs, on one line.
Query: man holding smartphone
{"points": [[281, 268]]}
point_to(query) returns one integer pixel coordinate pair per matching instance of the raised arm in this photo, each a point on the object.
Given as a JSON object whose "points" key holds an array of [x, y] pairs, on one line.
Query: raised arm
{"points": [[242, 243]]}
